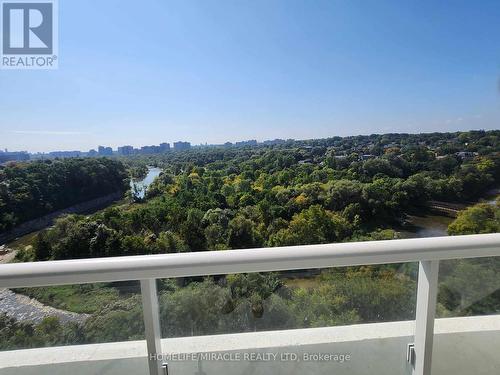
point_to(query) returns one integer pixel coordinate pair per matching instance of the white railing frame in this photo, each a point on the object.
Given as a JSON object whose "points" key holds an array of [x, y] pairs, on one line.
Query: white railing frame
{"points": [[427, 251]]}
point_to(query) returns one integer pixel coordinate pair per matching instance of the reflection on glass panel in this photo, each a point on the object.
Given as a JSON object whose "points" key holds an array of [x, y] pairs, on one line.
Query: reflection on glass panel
{"points": [[469, 293], [70, 314], [469, 287], [309, 308], [287, 300]]}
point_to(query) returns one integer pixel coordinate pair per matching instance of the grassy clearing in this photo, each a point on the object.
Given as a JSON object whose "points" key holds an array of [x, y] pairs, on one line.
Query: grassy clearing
{"points": [[76, 298], [23, 241], [309, 283]]}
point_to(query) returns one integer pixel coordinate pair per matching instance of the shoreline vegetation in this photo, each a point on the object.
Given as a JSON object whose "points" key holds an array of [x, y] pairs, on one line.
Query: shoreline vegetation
{"points": [[30, 190], [297, 192], [27, 228]]}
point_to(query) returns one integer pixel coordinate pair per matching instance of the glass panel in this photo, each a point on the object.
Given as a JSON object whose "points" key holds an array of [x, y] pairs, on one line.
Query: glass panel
{"points": [[70, 314], [290, 322], [469, 294], [469, 287]]}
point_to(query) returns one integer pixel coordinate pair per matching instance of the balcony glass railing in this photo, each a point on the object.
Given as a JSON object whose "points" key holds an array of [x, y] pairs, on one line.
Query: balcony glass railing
{"points": [[64, 315], [316, 309], [469, 288], [269, 301]]}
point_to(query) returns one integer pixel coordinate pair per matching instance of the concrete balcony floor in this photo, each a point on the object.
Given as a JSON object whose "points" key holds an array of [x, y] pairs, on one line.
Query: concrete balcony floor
{"points": [[462, 346]]}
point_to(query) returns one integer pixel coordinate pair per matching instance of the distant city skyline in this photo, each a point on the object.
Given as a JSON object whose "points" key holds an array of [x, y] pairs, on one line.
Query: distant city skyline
{"points": [[364, 145], [211, 71], [158, 148], [127, 149], [171, 145]]}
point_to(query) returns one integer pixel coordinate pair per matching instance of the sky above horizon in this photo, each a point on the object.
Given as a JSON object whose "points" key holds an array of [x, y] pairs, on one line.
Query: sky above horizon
{"points": [[141, 73]]}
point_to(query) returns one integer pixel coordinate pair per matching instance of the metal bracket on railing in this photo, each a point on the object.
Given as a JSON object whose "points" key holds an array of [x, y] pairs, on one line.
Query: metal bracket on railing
{"points": [[200, 368], [165, 368], [410, 354]]}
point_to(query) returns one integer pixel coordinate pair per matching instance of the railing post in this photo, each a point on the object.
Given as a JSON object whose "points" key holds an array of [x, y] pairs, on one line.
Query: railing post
{"points": [[151, 314], [426, 313]]}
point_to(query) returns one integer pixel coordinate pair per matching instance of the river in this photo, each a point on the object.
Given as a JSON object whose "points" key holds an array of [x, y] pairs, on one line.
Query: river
{"points": [[139, 187], [430, 225], [23, 308], [434, 225]]}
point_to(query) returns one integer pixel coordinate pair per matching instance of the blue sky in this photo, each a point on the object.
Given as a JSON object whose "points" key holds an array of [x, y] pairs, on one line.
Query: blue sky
{"points": [[144, 72]]}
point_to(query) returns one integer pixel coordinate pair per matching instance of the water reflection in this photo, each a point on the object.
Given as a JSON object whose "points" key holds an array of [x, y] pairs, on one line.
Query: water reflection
{"points": [[426, 226], [139, 187]]}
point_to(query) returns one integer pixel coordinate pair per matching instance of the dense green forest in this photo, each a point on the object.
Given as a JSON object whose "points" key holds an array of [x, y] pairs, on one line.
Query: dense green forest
{"points": [[320, 191], [256, 302], [296, 192], [30, 190]]}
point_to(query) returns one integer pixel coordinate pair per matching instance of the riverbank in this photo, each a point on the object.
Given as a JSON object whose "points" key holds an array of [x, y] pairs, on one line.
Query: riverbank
{"points": [[7, 255], [47, 220], [434, 220], [23, 308], [425, 223], [428, 224], [25, 232]]}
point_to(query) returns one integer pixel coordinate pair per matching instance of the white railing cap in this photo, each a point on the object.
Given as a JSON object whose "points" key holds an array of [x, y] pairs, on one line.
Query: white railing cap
{"points": [[82, 271]]}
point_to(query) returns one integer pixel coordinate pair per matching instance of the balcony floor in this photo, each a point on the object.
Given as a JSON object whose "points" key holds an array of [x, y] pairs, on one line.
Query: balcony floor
{"points": [[462, 346]]}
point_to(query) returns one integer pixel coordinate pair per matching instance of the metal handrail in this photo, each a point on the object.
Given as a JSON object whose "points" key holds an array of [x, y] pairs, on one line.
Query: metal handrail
{"points": [[142, 267]]}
